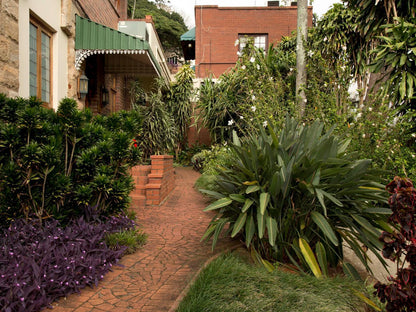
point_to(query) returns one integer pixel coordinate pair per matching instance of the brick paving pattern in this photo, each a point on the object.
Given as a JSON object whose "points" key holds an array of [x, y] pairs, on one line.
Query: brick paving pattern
{"points": [[155, 276]]}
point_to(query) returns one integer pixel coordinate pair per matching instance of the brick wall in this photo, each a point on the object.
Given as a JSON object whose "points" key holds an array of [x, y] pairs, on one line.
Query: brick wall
{"points": [[153, 182], [9, 47], [217, 29], [101, 11]]}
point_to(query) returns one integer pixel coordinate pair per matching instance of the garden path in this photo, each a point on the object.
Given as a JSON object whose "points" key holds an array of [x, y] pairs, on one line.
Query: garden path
{"points": [[156, 276]]}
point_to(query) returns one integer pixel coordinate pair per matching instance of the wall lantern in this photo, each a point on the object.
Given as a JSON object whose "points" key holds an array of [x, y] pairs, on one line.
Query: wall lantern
{"points": [[106, 96], [82, 86]]}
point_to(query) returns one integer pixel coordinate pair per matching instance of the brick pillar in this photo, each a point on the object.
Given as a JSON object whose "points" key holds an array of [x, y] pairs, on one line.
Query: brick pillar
{"points": [[161, 179], [140, 177], [153, 182]]}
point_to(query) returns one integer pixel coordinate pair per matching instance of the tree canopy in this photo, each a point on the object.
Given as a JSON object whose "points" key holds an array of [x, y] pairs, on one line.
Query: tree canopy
{"points": [[169, 24]]}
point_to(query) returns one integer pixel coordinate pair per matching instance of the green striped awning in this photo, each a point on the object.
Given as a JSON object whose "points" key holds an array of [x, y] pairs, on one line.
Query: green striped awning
{"points": [[93, 38], [189, 35]]}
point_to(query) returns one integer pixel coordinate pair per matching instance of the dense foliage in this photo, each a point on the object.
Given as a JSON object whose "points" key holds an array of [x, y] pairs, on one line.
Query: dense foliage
{"points": [[261, 87], [399, 247], [295, 189], [169, 24], [60, 163], [166, 114], [39, 264]]}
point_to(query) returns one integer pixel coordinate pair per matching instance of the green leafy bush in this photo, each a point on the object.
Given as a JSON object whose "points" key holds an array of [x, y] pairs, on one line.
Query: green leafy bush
{"points": [[60, 163], [298, 187]]}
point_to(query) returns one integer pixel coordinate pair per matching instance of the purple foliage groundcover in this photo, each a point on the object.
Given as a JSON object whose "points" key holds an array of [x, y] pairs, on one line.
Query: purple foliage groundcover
{"points": [[39, 264]]}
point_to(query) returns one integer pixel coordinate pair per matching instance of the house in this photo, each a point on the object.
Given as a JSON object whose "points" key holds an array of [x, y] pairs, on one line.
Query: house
{"points": [[51, 49], [221, 32]]}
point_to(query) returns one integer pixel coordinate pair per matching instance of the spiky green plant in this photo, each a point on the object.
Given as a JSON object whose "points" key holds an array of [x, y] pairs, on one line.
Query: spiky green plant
{"points": [[298, 189]]}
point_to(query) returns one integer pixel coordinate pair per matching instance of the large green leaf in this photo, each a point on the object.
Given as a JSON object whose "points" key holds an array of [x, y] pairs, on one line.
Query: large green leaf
{"points": [[238, 225], [260, 224], [322, 259], [325, 227], [252, 189], [271, 230], [247, 205], [223, 202], [250, 229], [264, 201]]}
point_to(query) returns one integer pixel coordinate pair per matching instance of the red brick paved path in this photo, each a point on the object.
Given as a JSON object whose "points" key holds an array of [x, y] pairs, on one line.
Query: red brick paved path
{"points": [[154, 277]]}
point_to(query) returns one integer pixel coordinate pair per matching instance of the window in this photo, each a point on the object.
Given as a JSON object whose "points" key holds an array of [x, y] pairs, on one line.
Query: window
{"points": [[259, 40], [40, 62]]}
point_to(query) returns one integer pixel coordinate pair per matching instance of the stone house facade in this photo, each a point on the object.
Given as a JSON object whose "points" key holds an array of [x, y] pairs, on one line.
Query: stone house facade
{"points": [[43, 52]]}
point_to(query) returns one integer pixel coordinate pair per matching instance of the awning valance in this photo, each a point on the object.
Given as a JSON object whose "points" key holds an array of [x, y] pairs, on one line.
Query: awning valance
{"points": [[93, 38]]}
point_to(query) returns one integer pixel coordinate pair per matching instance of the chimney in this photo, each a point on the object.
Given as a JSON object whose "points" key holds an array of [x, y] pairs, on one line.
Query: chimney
{"points": [[273, 3], [122, 9]]}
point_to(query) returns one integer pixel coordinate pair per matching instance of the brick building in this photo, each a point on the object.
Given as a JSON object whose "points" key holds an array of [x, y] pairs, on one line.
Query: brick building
{"points": [[218, 28], [47, 45]]}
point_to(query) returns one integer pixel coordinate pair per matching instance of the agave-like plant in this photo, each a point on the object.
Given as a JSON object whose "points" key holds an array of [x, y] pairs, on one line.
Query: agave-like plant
{"points": [[296, 197]]}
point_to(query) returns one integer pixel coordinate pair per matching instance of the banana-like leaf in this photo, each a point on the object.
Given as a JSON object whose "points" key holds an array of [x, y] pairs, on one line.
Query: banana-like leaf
{"points": [[310, 257], [260, 223], [322, 259], [252, 189], [264, 201], [212, 193], [269, 267], [325, 227], [223, 202], [271, 225], [238, 198], [250, 229], [239, 223], [247, 204]]}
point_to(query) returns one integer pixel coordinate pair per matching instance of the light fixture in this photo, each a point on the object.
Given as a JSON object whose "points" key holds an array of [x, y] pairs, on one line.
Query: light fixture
{"points": [[82, 86], [106, 96]]}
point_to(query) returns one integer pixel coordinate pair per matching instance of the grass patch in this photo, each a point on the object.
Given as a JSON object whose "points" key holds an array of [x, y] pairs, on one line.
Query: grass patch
{"points": [[132, 239], [231, 284]]}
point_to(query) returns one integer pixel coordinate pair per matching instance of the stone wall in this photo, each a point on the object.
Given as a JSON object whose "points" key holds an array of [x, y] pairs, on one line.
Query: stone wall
{"points": [[9, 47]]}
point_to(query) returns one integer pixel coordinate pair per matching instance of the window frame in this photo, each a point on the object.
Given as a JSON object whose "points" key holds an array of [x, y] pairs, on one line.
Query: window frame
{"points": [[253, 36], [42, 28]]}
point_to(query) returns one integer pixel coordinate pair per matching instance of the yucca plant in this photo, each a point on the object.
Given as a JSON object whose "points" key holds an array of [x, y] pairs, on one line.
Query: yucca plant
{"points": [[298, 193]]}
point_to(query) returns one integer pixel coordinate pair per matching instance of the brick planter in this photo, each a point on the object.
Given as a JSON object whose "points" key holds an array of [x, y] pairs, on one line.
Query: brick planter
{"points": [[153, 182]]}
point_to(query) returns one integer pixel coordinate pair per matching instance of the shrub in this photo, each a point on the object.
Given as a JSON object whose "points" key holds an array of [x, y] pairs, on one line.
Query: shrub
{"points": [[59, 163], [39, 264], [298, 187], [399, 247]]}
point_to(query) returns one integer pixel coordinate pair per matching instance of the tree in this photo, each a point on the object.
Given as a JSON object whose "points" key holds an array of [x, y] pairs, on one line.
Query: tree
{"points": [[301, 39], [169, 25], [391, 24]]}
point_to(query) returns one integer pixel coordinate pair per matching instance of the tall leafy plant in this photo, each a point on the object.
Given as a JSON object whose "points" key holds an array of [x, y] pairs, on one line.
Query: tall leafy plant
{"points": [[296, 193], [179, 101], [60, 163]]}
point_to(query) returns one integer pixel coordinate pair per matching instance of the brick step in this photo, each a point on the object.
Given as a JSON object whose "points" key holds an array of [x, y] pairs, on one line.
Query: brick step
{"points": [[137, 201]]}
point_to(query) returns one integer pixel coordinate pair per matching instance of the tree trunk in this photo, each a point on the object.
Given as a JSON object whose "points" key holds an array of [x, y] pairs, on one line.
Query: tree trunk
{"points": [[133, 9], [301, 39]]}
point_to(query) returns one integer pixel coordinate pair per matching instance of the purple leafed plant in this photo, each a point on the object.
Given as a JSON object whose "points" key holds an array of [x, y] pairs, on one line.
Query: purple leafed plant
{"points": [[39, 264], [400, 247]]}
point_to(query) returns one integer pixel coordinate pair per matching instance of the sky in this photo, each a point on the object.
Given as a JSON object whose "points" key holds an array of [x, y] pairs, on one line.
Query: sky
{"points": [[186, 7]]}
